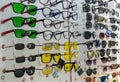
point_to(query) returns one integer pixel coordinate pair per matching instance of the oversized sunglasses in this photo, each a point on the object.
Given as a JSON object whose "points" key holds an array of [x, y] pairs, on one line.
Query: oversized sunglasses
{"points": [[31, 21], [65, 4], [31, 9]]}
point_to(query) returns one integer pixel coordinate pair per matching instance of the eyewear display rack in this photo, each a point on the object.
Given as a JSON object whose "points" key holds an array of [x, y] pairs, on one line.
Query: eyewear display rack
{"points": [[59, 41]]}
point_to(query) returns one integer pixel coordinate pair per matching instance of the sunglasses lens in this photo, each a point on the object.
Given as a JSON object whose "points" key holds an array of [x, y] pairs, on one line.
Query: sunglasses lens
{"points": [[101, 35], [19, 46], [86, 8], [108, 52], [31, 58], [57, 57], [88, 24], [20, 59], [57, 46], [67, 56], [114, 27], [88, 16], [18, 21], [47, 46], [88, 79], [87, 35], [102, 52], [31, 46], [31, 21], [47, 70], [94, 71], [68, 67], [32, 9], [80, 71], [46, 58], [30, 71], [31, 34], [88, 62], [76, 66], [89, 72], [90, 54], [67, 45], [104, 60], [19, 72], [114, 51], [18, 7], [104, 44], [19, 33]]}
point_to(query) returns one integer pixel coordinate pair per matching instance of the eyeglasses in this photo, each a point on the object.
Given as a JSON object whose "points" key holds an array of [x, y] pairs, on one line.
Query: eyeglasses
{"points": [[65, 4], [90, 71], [65, 14], [89, 62], [31, 21], [47, 35], [108, 59], [91, 53]]}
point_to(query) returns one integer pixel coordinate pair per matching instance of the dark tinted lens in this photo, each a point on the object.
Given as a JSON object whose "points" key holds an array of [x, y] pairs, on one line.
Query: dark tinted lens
{"points": [[20, 59], [108, 52], [89, 45], [94, 61], [102, 52], [88, 79], [114, 27], [30, 71], [31, 1], [101, 35], [114, 51], [112, 20], [19, 46], [89, 72], [104, 44], [87, 1], [113, 35], [31, 58], [88, 62], [19, 72], [80, 72], [88, 24], [88, 16], [87, 35], [30, 45], [86, 7], [104, 60]]}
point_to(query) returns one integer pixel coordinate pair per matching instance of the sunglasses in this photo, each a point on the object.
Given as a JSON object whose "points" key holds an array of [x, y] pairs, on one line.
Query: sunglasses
{"points": [[89, 71], [31, 21], [114, 27], [88, 25], [104, 78], [47, 35], [89, 79], [103, 43], [65, 4], [92, 53], [112, 43], [100, 26], [89, 62], [108, 59]]}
